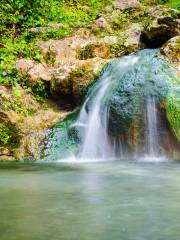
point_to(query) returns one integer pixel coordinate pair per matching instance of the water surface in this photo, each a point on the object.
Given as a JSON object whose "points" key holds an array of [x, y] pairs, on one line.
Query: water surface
{"points": [[105, 201]]}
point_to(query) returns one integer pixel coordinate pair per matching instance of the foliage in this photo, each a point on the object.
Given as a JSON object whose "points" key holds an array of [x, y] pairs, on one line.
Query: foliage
{"points": [[9, 135], [174, 4], [169, 3], [17, 17]]}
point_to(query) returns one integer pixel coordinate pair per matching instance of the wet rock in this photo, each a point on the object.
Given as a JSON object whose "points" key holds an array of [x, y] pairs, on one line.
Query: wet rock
{"points": [[127, 102]]}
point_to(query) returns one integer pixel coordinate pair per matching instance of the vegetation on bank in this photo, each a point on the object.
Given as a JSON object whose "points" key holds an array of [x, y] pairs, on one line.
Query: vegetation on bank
{"points": [[25, 22], [18, 18]]}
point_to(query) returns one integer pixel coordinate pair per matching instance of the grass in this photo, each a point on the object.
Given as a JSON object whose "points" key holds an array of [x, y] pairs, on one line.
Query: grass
{"points": [[174, 4]]}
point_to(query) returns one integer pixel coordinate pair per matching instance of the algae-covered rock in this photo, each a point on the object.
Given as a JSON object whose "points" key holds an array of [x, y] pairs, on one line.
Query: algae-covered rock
{"points": [[61, 140], [172, 105], [171, 52], [128, 101]]}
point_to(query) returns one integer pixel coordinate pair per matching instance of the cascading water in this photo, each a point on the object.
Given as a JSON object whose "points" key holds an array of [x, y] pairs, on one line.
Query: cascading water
{"points": [[152, 128], [96, 142], [111, 122]]}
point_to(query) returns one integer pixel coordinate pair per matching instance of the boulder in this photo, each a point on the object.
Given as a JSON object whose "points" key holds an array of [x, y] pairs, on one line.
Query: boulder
{"points": [[35, 71], [171, 52], [73, 80], [132, 36], [39, 72], [125, 4], [24, 65], [162, 27], [127, 102]]}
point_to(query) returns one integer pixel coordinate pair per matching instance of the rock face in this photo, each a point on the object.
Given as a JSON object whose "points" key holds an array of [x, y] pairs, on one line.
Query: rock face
{"points": [[35, 71], [164, 26], [73, 63], [132, 36], [134, 87], [23, 124], [125, 4]]}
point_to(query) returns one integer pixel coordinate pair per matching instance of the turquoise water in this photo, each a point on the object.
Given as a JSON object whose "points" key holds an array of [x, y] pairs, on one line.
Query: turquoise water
{"points": [[106, 201]]}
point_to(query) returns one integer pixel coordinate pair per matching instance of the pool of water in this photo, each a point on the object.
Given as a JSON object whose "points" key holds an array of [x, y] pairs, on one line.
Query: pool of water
{"points": [[104, 201]]}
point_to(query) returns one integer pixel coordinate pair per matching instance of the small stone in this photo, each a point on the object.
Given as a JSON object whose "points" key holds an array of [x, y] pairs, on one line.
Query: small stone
{"points": [[102, 24]]}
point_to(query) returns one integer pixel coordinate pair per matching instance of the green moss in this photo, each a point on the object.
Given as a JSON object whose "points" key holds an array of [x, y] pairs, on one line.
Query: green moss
{"points": [[9, 136], [173, 106], [61, 141]]}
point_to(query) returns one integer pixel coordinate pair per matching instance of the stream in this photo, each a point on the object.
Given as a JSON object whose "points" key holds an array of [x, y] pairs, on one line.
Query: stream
{"points": [[106, 201]]}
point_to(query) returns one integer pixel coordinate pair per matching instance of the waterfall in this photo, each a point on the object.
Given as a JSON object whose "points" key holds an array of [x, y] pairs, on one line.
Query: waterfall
{"points": [[95, 143], [152, 129], [119, 116]]}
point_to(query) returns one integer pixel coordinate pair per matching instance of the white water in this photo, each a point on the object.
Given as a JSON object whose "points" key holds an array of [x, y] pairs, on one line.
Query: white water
{"points": [[152, 143], [152, 129], [95, 142]]}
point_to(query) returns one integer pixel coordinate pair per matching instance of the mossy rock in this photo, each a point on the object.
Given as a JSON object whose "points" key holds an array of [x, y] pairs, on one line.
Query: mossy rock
{"points": [[172, 105]]}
